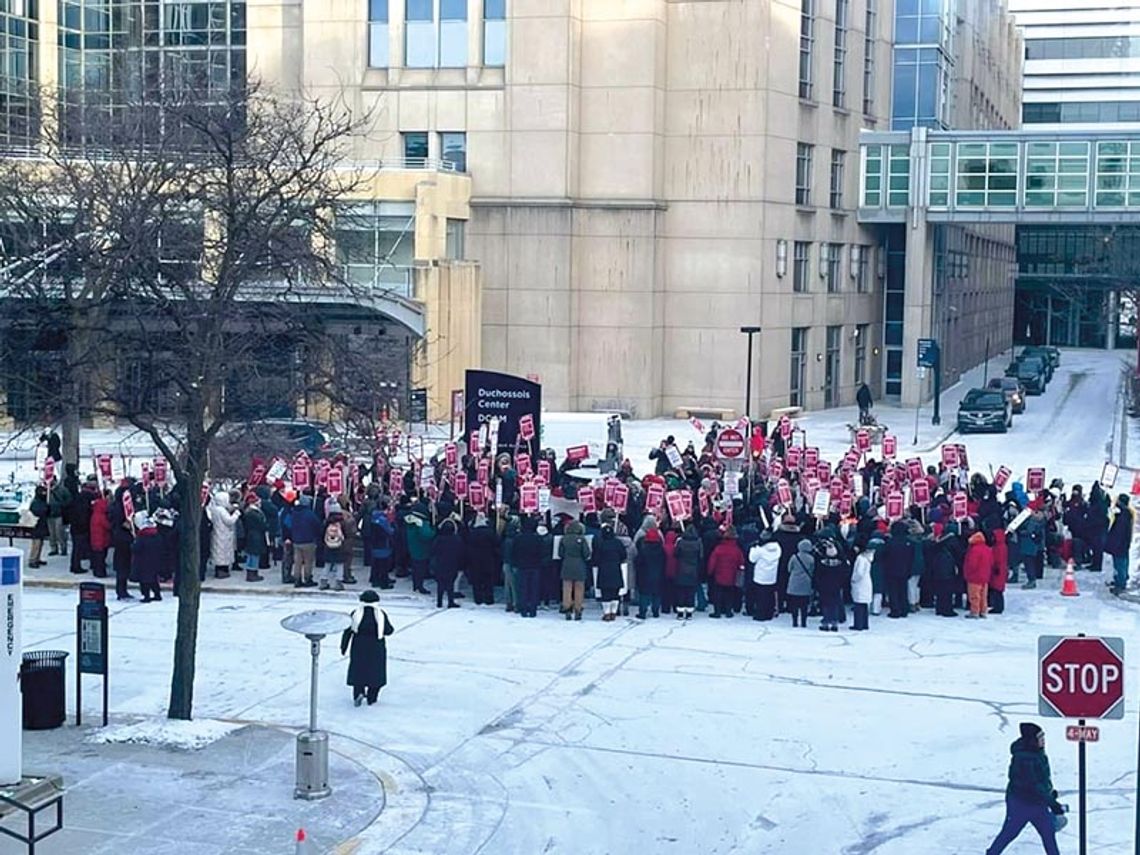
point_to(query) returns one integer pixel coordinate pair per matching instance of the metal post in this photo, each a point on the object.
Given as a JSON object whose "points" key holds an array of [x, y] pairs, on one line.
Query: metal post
{"points": [[936, 419], [986, 370], [1137, 832], [748, 382], [1082, 831], [315, 648]]}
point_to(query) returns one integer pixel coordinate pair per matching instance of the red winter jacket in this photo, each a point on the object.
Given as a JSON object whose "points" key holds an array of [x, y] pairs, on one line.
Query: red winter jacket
{"points": [[1001, 561], [671, 538], [724, 562], [100, 525], [979, 563]]}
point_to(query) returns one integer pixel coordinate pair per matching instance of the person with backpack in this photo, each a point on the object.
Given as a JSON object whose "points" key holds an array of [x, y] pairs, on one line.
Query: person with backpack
{"points": [[333, 540], [381, 534]]}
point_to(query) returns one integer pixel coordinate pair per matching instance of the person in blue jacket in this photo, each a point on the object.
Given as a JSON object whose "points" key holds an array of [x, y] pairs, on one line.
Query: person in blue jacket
{"points": [[1029, 797]]}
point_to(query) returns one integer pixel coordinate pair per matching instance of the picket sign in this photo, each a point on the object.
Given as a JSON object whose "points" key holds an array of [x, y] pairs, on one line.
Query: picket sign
{"points": [[451, 454], [914, 470], [654, 497], [473, 446], [544, 471], [301, 476], [863, 440], [477, 495], [920, 493], [698, 425], [277, 470], [674, 456], [811, 457], [395, 482], [526, 427], [1108, 475], [128, 505], [821, 506], [1001, 478], [335, 481], [522, 465], [675, 501], [587, 500], [784, 494], [960, 504], [890, 446], [608, 493], [1035, 479], [950, 456], [528, 499], [794, 458], [894, 506], [49, 470], [576, 453], [687, 502], [620, 498]]}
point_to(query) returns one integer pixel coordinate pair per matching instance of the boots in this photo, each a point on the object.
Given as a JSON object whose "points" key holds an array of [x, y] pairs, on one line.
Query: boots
{"points": [[221, 573], [253, 576]]}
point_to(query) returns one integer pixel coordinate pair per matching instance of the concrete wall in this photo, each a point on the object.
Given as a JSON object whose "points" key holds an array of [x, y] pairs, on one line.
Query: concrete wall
{"points": [[451, 293]]}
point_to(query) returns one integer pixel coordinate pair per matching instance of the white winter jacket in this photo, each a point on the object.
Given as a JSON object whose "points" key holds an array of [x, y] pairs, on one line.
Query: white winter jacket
{"points": [[861, 588], [765, 559], [223, 538]]}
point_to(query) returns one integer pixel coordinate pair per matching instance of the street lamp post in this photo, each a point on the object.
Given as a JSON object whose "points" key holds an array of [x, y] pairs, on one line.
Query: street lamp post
{"points": [[749, 331]]}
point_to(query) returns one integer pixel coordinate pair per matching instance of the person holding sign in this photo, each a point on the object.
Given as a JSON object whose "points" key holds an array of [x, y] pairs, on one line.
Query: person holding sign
{"points": [[725, 562], [447, 553], [609, 555], [660, 454], [574, 550], [528, 555]]}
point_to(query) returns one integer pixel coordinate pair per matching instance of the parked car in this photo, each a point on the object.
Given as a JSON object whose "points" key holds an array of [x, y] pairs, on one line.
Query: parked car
{"points": [[1048, 352], [984, 410], [1030, 373], [1043, 358], [1012, 389]]}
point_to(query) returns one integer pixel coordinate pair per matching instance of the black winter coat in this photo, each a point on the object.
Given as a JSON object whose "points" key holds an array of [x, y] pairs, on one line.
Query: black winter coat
{"points": [[898, 558], [447, 554], [688, 553], [146, 557], [482, 550], [609, 553], [529, 551], [650, 567], [368, 662]]}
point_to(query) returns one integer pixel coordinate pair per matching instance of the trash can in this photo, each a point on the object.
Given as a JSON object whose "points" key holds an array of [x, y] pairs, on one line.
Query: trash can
{"points": [[42, 680]]}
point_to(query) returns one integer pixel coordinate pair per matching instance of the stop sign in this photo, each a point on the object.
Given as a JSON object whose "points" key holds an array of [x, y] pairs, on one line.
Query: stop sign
{"points": [[1080, 677], [730, 443]]}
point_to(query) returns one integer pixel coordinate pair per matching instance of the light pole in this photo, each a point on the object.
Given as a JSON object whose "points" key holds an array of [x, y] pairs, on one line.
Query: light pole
{"points": [[749, 331], [313, 744]]}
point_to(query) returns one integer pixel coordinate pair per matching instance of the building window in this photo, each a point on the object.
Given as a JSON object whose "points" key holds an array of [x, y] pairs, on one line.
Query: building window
{"points": [[435, 33], [801, 264], [870, 27], [807, 46], [453, 150], [415, 149], [919, 97], [803, 173], [796, 387], [839, 66], [19, 110], [835, 199], [830, 255], [375, 243], [862, 331], [831, 367], [495, 33], [378, 33], [987, 176], [861, 264], [456, 239]]}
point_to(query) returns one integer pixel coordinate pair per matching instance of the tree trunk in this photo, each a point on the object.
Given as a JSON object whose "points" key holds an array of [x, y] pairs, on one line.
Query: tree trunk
{"points": [[189, 585], [78, 339]]}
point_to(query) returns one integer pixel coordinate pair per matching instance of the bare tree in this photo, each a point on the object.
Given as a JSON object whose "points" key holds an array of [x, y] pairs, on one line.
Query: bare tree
{"points": [[191, 248]]}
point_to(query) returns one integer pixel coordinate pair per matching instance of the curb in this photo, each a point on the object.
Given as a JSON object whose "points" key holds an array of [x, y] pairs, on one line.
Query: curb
{"points": [[288, 592]]}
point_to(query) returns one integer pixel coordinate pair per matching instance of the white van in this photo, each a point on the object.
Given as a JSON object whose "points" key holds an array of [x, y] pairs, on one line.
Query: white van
{"points": [[595, 430]]}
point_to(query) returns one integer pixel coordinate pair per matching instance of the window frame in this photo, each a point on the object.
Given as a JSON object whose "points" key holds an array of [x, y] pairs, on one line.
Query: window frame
{"points": [[801, 266], [805, 153], [798, 366], [870, 23], [838, 176], [807, 49], [839, 57]]}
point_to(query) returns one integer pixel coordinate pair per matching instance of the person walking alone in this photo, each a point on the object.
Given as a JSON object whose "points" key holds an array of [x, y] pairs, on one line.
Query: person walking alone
{"points": [[368, 659], [1029, 797]]}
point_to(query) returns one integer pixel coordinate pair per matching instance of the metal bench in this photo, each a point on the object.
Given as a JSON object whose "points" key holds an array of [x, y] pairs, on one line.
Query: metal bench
{"points": [[29, 798]]}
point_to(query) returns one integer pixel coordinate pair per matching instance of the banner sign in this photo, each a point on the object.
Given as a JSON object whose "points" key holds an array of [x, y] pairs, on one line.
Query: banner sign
{"points": [[577, 452], [488, 394]]}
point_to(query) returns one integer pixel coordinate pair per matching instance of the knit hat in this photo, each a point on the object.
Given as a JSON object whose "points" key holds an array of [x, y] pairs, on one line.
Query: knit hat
{"points": [[1029, 730], [369, 597]]}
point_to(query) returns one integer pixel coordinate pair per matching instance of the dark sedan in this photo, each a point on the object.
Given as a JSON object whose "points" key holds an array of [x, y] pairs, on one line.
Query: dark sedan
{"points": [[984, 410]]}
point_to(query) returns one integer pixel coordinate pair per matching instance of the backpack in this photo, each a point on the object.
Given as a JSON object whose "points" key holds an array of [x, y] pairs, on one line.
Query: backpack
{"points": [[334, 536]]}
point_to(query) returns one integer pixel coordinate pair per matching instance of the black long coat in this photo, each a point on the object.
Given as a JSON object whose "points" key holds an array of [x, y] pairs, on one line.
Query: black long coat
{"points": [[368, 659]]}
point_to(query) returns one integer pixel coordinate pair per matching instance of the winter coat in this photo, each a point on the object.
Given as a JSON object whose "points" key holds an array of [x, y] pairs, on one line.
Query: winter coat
{"points": [[447, 553], [898, 558], [765, 560], [381, 535], [529, 551], [1031, 537], [688, 552], [368, 661], [608, 554], [1119, 538], [1000, 552], [146, 557], [1029, 776], [482, 549], [862, 589], [670, 542], [419, 537], [979, 565], [256, 531], [574, 550], [725, 561], [223, 535], [650, 564], [100, 525], [801, 571], [79, 512], [943, 567], [306, 525], [831, 569], [58, 499]]}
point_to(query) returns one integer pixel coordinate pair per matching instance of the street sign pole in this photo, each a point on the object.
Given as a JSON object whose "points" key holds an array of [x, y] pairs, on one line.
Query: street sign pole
{"points": [[1081, 789]]}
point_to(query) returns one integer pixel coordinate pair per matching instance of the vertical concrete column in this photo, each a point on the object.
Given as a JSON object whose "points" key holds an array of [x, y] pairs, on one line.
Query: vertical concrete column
{"points": [[918, 301], [1113, 320]]}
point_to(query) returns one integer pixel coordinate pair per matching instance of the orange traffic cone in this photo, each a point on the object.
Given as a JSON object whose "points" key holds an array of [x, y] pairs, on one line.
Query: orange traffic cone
{"points": [[304, 845], [1069, 582]]}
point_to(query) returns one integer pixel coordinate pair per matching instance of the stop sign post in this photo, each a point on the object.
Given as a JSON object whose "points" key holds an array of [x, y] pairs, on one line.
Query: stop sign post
{"points": [[730, 444], [1081, 677]]}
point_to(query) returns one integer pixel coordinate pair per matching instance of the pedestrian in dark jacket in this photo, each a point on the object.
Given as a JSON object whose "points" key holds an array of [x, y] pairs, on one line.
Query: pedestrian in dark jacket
{"points": [[79, 518], [1118, 542], [256, 537], [898, 561], [1097, 525], [688, 554], [574, 550], [447, 553], [528, 555], [1029, 797], [944, 570], [832, 571], [482, 560], [801, 582], [609, 553], [40, 511], [146, 557], [306, 528], [380, 541], [650, 564], [368, 659]]}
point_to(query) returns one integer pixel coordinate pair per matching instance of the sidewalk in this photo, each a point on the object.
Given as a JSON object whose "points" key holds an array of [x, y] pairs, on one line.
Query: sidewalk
{"points": [[232, 797]]}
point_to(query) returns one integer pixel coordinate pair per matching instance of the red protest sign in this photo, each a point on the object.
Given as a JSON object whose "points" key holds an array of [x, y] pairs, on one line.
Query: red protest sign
{"points": [[894, 506], [811, 457], [851, 458], [451, 454], [703, 501], [477, 494], [961, 506], [395, 482], [528, 499], [608, 493], [621, 498], [103, 461], [301, 476], [128, 504], [676, 504], [473, 444], [146, 476], [587, 500], [335, 481], [461, 485], [654, 497], [914, 469], [776, 470], [795, 456], [963, 458], [161, 470], [544, 470], [890, 445], [847, 503], [785, 427], [526, 427], [950, 456], [484, 473], [577, 452], [784, 494], [49, 470], [1001, 478], [835, 489], [522, 465], [920, 492], [1035, 479], [863, 439], [823, 471], [687, 502]]}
